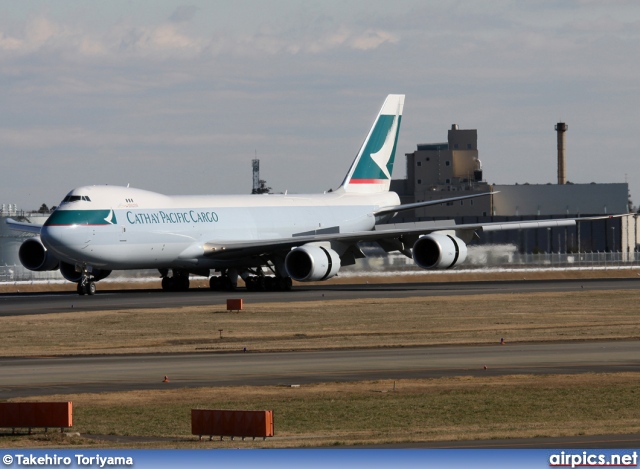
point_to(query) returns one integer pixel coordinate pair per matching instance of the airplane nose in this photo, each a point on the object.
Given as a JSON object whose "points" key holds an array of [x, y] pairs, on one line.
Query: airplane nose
{"points": [[48, 237], [55, 238]]}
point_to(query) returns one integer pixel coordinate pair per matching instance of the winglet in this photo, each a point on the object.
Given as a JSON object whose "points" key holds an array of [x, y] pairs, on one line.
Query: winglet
{"points": [[371, 170]]}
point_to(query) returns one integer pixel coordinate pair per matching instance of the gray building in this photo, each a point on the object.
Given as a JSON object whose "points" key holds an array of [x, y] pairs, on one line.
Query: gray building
{"points": [[441, 170], [453, 168], [570, 200]]}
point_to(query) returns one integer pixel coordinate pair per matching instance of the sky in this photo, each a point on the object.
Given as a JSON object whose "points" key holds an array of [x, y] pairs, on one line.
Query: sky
{"points": [[180, 97]]}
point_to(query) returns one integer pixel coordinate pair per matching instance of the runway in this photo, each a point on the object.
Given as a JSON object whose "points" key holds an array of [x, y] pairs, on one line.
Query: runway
{"points": [[55, 375], [44, 303]]}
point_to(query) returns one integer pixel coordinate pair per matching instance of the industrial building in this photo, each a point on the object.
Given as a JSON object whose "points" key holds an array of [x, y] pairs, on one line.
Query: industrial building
{"points": [[443, 170]]}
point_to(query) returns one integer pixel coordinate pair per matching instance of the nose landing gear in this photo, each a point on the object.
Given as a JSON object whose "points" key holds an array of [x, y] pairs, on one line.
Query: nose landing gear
{"points": [[86, 286]]}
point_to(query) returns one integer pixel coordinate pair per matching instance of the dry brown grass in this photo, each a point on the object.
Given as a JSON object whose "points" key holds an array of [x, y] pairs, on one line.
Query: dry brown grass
{"points": [[327, 414], [469, 319]]}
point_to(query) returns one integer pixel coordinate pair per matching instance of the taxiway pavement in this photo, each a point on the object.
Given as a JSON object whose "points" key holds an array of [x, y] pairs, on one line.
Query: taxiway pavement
{"points": [[67, 375]]}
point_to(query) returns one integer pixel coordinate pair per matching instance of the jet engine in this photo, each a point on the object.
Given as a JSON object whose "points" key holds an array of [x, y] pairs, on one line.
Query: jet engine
{"points": [[69, 272], [311, 263], [439, 251], [34, 256]]}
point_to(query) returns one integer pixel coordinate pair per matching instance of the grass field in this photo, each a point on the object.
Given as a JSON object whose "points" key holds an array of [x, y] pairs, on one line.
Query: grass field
{"points": [[331, 414], [468, 319], [328, 414]]}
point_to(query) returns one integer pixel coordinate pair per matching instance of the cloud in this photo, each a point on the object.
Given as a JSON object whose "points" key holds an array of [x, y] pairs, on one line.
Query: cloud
{"points": [[183, 14], [167, 37], [10, 43], [372, 39], [41, 30], [173, 39], [38, 32], [605, 24], [340, 38], [65, 137], [120, 41]]}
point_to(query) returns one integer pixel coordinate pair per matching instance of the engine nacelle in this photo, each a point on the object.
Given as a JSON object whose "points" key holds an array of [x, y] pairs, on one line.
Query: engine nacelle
{"points": [[439, 251], [68, 271], [311, 263], [34, 256]]}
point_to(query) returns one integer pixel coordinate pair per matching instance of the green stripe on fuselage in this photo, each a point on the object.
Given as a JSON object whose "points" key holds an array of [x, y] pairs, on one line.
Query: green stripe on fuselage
{"points": [[81, 217]]}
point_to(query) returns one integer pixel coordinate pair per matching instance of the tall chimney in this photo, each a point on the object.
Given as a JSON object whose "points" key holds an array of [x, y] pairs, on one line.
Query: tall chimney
{"points": [[561, 128]]}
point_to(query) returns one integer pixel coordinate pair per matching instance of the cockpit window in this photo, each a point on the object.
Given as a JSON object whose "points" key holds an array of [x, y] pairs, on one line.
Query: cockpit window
{"points": [[74, 198]]}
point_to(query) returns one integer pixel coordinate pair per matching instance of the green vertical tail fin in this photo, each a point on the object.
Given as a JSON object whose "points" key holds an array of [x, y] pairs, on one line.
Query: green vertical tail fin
{"points": [[371, 170]]}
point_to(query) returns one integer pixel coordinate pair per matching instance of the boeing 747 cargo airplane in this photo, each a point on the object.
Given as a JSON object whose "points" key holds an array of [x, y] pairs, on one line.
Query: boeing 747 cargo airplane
{"points": [[97, 229]]}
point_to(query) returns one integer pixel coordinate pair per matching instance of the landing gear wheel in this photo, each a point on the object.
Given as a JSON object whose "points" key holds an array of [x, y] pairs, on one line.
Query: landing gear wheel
{"points": [[81, 289], [223, 282], [269, 283], [228, 285], [260, 284], [215, 283], [91, 288], [285, 283], [179, 280]]}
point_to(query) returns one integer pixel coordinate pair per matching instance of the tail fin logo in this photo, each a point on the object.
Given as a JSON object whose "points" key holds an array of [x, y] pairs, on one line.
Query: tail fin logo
{"points": [[382, 156], [372, 169], [111, 218]]}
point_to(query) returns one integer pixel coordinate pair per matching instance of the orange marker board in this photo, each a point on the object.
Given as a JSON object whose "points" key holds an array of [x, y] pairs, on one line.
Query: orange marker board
{"points": [[234, 304], [36, 414], [242, 423]]}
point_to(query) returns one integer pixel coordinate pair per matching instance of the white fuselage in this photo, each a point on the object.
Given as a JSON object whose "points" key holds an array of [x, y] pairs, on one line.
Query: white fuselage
{"points": [[111, 227]]}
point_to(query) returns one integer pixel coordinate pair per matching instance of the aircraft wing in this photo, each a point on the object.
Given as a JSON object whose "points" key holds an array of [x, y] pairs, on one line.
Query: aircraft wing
{"points": [[24, 226], [427, 203], [406, 233]]}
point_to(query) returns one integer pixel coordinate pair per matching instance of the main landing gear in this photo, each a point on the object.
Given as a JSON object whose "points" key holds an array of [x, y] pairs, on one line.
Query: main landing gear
{"points": [[268, 283], [254, 280], [179, 281], [228, 281]]}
